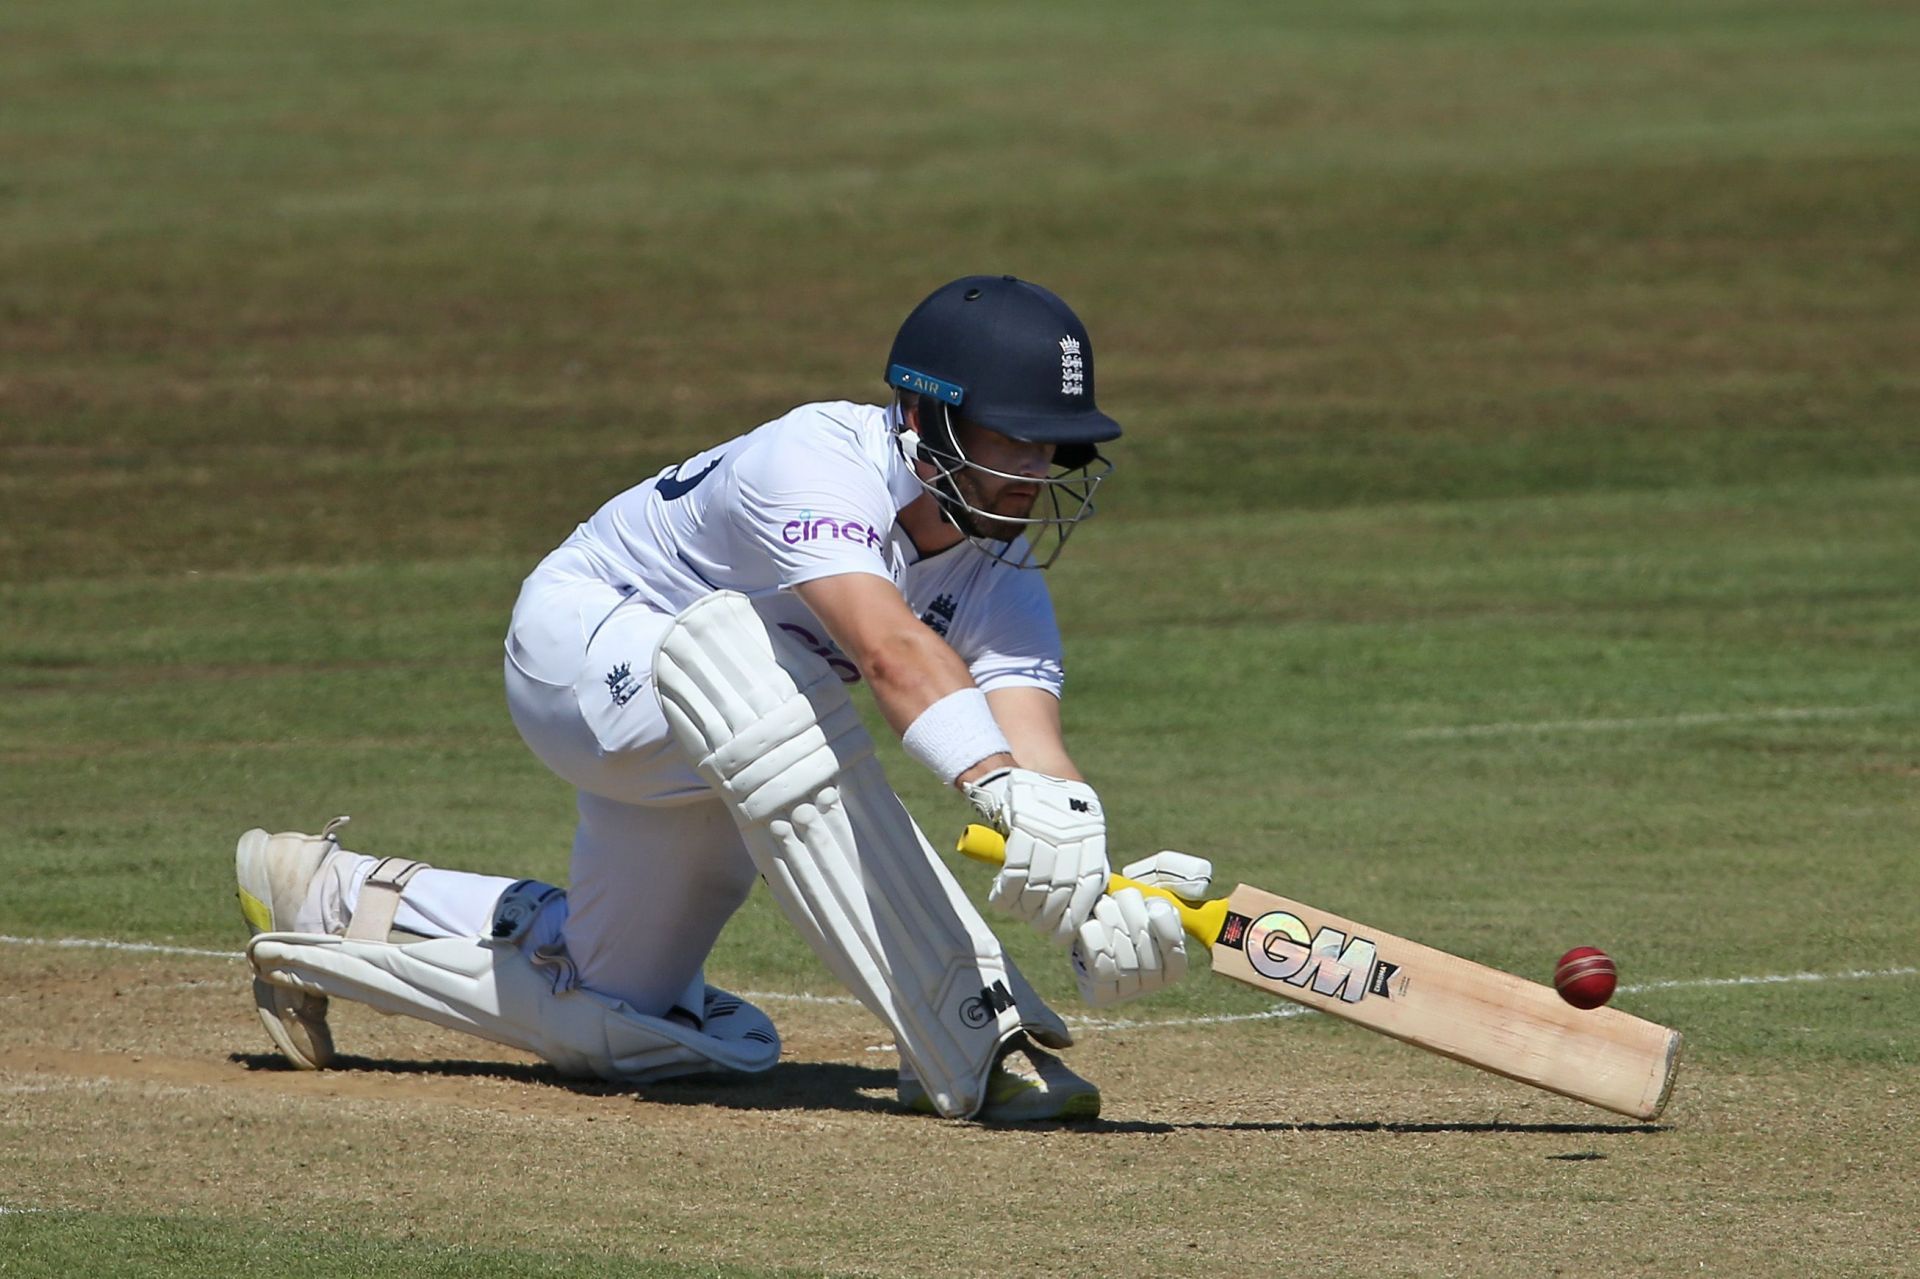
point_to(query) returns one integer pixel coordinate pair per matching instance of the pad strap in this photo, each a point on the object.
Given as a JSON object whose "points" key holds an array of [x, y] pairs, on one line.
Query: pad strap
{"points": [[379, 898]]}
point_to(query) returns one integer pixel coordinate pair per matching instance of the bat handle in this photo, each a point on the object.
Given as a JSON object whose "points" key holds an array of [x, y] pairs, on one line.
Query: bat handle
{"points": [[1202, 922]]}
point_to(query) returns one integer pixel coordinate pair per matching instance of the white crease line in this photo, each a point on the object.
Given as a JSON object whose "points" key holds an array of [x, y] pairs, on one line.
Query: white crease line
{"points": [[151, 948], [1157, 1023], [101, 943], [1653, 721], [1682, 983], [1301, 1010], [1080, 1023], [1769, 979], [787, 997], [102, 1083]]}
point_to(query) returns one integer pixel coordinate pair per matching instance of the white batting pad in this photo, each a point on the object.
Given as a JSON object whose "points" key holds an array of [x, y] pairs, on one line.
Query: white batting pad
{"points": [[770, 726], [493, 990]]}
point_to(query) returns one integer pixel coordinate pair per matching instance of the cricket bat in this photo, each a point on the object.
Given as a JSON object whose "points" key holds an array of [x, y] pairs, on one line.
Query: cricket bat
{"points": [[1425, 997]]}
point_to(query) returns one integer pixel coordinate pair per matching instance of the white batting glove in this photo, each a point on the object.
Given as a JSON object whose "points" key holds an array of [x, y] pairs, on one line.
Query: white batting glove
{"points": [[1056, 866], [1187, 877], [1125, 950], [1132, 946]]}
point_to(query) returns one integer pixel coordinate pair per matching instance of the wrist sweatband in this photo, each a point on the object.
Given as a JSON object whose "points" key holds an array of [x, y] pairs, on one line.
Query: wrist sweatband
{"points": [[954, 734]]}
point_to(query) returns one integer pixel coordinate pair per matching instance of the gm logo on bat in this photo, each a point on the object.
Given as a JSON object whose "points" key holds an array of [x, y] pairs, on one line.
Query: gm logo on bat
{"points": [[1280, 946]]}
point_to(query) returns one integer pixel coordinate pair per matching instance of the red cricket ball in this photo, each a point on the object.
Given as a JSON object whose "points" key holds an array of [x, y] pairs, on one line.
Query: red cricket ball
{"points": [[1585, 977]]}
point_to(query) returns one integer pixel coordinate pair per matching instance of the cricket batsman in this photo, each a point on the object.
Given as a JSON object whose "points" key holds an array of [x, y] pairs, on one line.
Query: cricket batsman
{"points": [[683, 661]]}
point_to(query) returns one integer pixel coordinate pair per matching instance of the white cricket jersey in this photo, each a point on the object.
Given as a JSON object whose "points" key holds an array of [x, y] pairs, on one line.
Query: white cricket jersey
{"points": [[813, 494]]}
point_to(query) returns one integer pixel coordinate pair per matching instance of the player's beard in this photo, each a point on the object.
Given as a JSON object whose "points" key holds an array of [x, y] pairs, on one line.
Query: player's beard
{"points": [[1014, 508]]}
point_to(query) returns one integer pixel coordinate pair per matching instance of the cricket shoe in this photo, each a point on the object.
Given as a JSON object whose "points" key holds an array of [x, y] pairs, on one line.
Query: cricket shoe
{"points": [[278, 875], [1027, 1085]]}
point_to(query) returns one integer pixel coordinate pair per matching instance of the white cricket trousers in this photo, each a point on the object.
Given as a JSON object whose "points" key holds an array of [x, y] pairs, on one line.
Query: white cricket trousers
{"points": [[658, 866]]}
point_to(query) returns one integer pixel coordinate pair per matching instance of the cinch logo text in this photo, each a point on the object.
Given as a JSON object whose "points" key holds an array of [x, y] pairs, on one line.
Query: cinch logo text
{"points": [[826, 652], [797, 531]]}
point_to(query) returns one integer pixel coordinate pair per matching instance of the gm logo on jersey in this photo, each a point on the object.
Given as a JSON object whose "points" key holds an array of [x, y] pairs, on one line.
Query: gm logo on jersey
{"points": [[1279, 946]]}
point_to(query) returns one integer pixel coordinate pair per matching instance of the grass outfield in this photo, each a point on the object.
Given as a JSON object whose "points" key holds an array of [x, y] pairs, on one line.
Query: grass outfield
{"points": [[1517, 545]]}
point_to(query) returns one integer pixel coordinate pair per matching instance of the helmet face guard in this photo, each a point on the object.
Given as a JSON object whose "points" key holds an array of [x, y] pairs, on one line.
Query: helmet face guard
{"points": [[1034, 540], [1014, 359]]}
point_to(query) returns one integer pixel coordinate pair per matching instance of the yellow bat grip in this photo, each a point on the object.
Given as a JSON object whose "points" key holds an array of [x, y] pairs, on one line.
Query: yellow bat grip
{"points": [[1202, 922]]}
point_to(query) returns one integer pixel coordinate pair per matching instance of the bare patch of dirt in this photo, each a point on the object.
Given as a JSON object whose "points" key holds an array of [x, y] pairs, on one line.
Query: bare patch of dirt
{"points": [[143, 1084]]}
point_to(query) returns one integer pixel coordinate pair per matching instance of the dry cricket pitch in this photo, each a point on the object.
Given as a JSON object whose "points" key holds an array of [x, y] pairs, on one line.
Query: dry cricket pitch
{"points": [[142, 1084]]}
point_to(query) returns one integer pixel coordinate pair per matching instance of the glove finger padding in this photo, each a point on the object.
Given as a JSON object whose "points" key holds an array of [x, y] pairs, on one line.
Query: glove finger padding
{"points": [[1056, 851], [1187, 877], [1132, 946]]}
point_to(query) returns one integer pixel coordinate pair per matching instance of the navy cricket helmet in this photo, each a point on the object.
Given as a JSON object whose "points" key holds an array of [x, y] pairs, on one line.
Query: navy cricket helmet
{"points": [[1011, 357], [1007, 355]]}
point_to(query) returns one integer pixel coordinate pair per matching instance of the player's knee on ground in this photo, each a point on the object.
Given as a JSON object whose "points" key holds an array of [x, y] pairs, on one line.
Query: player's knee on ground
{"points": [[520, 988]]}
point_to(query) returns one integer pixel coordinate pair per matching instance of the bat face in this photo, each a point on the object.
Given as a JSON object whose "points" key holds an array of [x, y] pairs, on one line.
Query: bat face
{"points": [[1445, 1004], [1425, 997]]}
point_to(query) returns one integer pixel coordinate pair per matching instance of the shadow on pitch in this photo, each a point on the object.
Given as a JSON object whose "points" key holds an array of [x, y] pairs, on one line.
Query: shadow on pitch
{"points": [[1370, 1126], [788, 1086], [822, 1085]]}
